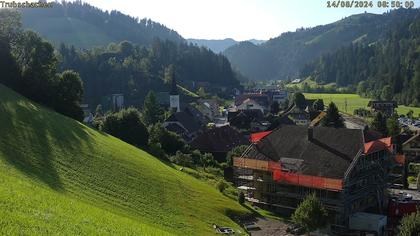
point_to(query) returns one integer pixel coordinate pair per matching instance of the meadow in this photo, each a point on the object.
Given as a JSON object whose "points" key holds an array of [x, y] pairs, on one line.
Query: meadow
{"points": [[347, 103], [58, 176]]}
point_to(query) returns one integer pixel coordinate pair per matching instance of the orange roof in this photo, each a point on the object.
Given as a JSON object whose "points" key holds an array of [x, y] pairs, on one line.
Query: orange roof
{"points": [[255, 137], [378, 145]]}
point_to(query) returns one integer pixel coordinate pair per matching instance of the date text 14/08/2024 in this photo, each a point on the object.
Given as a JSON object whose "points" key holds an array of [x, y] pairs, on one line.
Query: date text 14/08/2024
{"points": [[370, 4]]}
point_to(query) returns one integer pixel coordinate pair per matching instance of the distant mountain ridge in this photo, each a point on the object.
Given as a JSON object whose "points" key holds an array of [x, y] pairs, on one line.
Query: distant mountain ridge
{"points": [[219, 45], [85, 26], [282, 57]]}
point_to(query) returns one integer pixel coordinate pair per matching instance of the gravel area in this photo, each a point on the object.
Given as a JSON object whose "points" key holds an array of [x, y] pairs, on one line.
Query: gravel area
{"points": [[269, 227]]}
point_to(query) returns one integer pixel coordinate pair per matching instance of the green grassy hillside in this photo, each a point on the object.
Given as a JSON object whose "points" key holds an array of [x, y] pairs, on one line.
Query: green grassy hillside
{"points": [[70, 31], [84, 26], [354, 101], [58, 176]]}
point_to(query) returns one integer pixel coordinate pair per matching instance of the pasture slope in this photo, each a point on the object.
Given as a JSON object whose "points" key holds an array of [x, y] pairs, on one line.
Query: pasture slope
{"points": [[58, 176], [354, 101]]}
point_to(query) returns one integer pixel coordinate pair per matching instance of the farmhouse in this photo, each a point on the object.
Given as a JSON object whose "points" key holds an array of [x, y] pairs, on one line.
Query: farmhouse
{"points": [[411, 147], [244, 119], [386, 107], [281, 167], [410, 153], [184, 124], [219, 141], [250, 104], [209, 107], [261, 99]]}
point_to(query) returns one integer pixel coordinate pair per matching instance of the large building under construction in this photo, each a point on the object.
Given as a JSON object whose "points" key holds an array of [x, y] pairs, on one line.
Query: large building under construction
{"points": [[347, 174]]}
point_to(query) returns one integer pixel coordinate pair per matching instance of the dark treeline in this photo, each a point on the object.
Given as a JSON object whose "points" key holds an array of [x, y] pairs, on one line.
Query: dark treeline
{"points": [[114, 24], [387, 69], [133, 70], [28, 65]]}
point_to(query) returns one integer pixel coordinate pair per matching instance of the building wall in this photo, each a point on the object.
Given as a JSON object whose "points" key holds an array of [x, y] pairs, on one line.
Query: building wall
{"points": [[365, 185], [174, 102], [251, 105], [364, 188]]}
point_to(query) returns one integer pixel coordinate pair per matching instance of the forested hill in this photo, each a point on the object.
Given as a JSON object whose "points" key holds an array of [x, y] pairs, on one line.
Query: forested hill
{"points": [[284, 56], [133, 70], [388, 69], [219, 45], [85, 26]]}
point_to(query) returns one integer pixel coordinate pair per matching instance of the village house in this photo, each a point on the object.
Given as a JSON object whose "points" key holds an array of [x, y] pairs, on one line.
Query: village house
{"points": [[410, 153], [209, 107], [201, 119], [250, 104], [276, 95], [245, 119], [296, 81], [117, 102], [184, 124], [346, 173], [386, 107], [253, 101], [411, 147], [114, 102], [219, 141], [307, 116]]}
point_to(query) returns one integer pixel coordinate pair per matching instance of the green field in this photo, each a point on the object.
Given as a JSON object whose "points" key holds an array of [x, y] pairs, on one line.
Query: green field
{"points": [[311, 84], [58, 176], [354, 101]]}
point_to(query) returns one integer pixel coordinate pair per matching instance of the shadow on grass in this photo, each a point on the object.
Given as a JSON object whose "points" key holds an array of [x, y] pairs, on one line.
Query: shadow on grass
{"points": [[32, 137]]}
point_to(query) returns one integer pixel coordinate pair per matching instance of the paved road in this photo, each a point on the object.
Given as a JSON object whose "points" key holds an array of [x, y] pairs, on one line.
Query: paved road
{"points": [[414, 193]]}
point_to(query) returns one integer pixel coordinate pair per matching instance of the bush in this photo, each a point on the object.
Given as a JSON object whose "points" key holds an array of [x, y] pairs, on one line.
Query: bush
{"points": [[170, 142], [127, 126], [157, 151], [221, 185], [410, 225], [412, 179], [310, 214], [182, 159]]}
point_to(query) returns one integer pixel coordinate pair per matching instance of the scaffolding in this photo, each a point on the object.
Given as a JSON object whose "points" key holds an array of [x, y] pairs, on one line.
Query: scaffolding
{"points": [[287, 177]]}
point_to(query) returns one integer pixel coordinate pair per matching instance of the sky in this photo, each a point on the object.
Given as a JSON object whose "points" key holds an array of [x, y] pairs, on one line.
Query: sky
{"points": [[237, 19]]}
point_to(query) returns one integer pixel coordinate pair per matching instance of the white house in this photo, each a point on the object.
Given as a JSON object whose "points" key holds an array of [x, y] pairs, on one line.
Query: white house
{"points": [[209, 107], [250, 104], [117, 101]]}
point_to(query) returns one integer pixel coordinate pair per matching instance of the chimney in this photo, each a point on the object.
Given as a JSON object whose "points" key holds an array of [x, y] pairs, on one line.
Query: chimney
{"points": [[310, 133]]}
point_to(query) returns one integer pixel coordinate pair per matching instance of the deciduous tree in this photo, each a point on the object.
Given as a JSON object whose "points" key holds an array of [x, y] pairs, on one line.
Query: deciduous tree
{"points": [[310, 214], [127, 125], [152, 112]]}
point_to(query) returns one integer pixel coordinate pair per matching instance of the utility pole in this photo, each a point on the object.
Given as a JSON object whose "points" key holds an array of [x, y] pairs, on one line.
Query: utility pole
{"points": [[345, 104]]}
